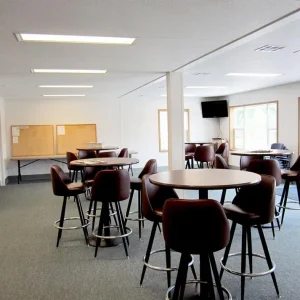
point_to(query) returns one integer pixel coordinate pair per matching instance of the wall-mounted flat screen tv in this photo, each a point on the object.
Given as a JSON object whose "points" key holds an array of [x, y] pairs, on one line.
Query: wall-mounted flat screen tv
{"points": [[214, 109]]}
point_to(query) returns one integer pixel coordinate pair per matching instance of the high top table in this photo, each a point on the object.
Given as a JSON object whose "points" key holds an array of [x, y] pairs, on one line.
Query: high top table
{"points": [[204, 180], [261, 153], [97, 149]]}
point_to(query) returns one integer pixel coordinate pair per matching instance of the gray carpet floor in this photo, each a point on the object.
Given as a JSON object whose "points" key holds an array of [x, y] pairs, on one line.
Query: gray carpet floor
{"points": [[32, 268]]}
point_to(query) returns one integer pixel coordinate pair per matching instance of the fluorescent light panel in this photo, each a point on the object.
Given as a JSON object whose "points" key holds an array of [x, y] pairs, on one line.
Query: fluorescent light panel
{"points": [[253, 74], [77, 39], [185, 95], [68, 71], [63, 95], [66, 86], [204, 87]]}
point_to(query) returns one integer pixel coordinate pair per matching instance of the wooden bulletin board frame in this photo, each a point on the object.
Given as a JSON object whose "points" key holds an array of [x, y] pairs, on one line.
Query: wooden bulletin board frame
{"points": [[32, 140], [72, 136]]}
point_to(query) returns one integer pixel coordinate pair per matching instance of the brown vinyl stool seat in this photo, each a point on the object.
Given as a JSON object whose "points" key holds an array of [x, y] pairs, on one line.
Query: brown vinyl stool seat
{"points": [[63, 186], [220, 163], [253, 205], [73, 170], [196, 227], [189, 155], [82, 154], [154, 198], [204, 154], [289, 176], [136, 185], [268, 167], [111, 187]]}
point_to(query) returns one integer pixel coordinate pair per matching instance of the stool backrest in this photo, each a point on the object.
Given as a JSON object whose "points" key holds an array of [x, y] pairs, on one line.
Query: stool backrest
{"points": [[111, 186], [223, 150], [90, 172], [258, 199], [86, 154], [245, 161], [124, 153], [70, 157], [150, 168], [190, 148], [195, 227], [220, 163], [205, 153], [296, 165], [107, 154], [154, 196], [266, 166], [59, 180]]}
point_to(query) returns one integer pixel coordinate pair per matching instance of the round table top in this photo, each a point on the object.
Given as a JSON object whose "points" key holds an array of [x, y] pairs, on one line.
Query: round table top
{"points": [[95, 148], [211, 179], [104, 162], [271, 152], [200, 143]]}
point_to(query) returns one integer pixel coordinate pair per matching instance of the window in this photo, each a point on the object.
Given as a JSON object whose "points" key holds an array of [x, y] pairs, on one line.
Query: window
{"points": [[163, 128], [253, 126]]}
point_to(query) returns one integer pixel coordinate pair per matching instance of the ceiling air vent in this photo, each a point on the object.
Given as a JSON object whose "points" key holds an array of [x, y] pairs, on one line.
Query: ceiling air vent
{"points": [[200, 74], [269, 48], [296, 51]]}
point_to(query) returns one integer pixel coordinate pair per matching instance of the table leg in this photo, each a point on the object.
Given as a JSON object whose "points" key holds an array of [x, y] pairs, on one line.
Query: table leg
{"points": [[19, 172], [203, 194]]}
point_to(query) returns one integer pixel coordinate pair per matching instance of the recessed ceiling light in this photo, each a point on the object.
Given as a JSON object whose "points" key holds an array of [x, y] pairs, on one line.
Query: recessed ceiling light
{"points": [[68, 71], [185, 95], [296, 51], [66, 86], [269, 48], [253, 74], [63, 95], [77, 39], [205, 87], [200, 73]]}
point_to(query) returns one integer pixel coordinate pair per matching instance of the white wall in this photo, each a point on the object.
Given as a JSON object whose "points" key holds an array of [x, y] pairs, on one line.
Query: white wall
{"points": [[287, 96], [127, 122]]}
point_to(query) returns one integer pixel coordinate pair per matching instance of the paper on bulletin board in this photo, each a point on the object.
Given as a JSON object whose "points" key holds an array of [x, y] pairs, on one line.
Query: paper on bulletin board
{"points": [[15, 140], [15, 131], [61, 130]]}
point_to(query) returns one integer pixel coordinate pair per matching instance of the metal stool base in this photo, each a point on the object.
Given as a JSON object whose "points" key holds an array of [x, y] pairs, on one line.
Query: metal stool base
{"points": [[247, 274], [87, 223], [94, 233], [157, 268], [167, 297]]}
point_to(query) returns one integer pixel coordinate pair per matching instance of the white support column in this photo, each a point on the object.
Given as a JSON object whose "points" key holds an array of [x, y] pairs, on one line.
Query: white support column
{"points": [[175, 105]]}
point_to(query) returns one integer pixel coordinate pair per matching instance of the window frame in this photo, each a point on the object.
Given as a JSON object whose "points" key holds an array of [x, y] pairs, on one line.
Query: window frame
{"points": [[231, 121]]}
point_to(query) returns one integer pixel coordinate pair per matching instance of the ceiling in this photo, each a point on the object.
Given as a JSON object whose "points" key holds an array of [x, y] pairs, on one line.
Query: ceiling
{"points": [[171, 34]]}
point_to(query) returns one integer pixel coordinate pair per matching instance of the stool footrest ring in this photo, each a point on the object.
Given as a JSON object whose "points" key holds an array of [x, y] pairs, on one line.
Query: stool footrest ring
{"points": [[97, 216], [234, 272], [94, 233], [134, 219], [289, 207], [163, 268], [197, 281], [86, 221]]}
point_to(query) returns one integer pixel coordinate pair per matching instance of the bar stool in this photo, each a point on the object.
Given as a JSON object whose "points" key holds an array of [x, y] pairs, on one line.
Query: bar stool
{"points": [[136, 185], [196, 227], [82, 154], [289, 176], [107, 154], [245, 161], [204, 154], [111, 186], [268, 167], [124, 153], [63, 186], [220, 163], [189, 155], [253, 205], [154, 197], [73, 169]]}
